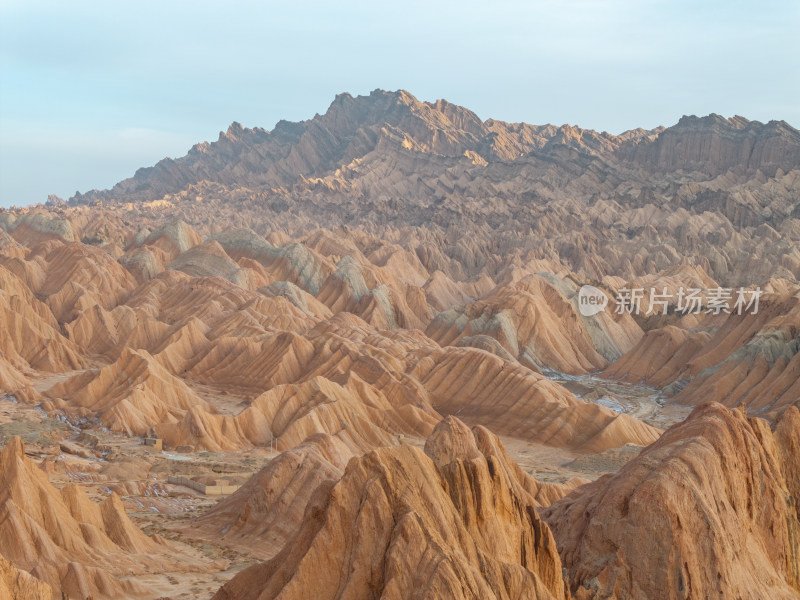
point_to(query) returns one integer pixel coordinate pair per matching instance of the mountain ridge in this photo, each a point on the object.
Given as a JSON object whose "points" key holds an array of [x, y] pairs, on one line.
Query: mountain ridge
{"points": [[352, 127]]}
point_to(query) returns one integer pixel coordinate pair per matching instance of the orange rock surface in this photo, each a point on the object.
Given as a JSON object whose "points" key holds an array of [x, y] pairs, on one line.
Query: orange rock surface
{"points": [[713, 507], [66, 540], [451, 522]]}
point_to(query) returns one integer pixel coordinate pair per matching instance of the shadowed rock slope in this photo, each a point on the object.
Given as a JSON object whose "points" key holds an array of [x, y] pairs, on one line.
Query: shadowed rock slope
{"points": [[16, 584], [265, 512]]}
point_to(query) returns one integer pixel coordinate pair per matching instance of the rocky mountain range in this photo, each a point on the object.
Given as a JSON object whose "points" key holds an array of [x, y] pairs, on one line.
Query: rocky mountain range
{"points": [[701, 191]]}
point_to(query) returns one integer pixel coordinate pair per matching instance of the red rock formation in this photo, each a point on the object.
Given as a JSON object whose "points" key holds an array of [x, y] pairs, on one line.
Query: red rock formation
{"points": [[715, 144], [536, 320], [129, 395], [346, 282], [509, 399], [749, 359], [711, 192]]}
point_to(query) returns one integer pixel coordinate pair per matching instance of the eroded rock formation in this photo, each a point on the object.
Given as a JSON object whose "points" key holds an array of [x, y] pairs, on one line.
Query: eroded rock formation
{"points": [[713, 505], [451, 522]]}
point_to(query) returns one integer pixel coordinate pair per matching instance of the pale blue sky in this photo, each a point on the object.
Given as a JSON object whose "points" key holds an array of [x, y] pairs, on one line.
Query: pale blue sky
{"points": [[90, 91]]}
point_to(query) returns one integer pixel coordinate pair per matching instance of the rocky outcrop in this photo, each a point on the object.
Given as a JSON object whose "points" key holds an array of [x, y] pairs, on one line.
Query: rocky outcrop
{"points": [[66, 540], [19, 584], [454, 524], [481, 388], [747, 360], [30, 337], [536, 320], [393, 273], [707, 190], [714, 144], [37, 227], [709, 510], [210, 260], [130, 395], [267, 510]]}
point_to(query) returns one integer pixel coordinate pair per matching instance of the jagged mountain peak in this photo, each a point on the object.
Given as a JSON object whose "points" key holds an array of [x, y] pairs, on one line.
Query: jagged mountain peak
{"points": [[736, 122], [383, 125], [714, 144]]}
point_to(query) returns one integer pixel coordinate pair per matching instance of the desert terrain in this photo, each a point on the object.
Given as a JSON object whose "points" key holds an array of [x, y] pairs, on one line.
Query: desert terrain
{"points": [[348, 358]]}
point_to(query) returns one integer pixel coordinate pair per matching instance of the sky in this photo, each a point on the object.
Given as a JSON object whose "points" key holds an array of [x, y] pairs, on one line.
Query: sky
{"points": [[91, 91]]}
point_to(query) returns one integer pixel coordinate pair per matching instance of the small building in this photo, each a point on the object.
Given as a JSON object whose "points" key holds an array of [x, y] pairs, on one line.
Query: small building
{"points": [[215, 487], [155, 444]]}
